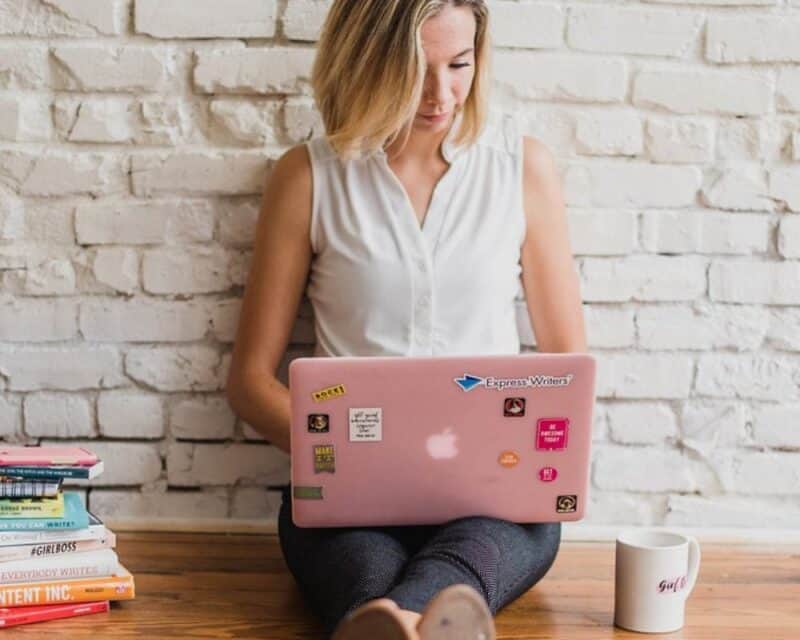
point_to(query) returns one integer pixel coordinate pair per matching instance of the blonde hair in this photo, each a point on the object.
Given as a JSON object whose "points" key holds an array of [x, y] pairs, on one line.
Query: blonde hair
{"points": [[369, 69]]}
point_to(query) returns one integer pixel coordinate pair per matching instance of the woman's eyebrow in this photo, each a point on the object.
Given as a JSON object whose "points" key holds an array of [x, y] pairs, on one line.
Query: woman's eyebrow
{"points": [[458, 55]]}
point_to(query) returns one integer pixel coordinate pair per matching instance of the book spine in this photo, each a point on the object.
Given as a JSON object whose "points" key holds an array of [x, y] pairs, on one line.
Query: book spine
{"points": [[32, 512], [44, 488], [46, 472], [68, 567], [17, 538], [30, 615], [55, 549], [47, 508], [35, 524], [108, 588], [46, 455]]}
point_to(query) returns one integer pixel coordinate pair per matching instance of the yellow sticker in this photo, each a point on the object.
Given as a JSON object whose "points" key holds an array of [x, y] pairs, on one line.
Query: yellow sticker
{"points": [[508, 459], [324, 459], [327, 394]]}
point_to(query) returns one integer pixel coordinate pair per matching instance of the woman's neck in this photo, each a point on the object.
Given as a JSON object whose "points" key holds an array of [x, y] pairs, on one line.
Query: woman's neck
{"points": [[422, 147]]}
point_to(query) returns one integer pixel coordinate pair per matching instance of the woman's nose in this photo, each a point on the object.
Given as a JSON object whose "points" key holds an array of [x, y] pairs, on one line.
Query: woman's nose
{"points": [[436, 94]]}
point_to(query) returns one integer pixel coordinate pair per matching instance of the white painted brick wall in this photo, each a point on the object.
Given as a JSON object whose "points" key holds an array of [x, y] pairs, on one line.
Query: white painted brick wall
{"points": [[203, 418], [135, 140], [130, 414], [206, 18], [118, 268], [651, 32], [57, 415]]}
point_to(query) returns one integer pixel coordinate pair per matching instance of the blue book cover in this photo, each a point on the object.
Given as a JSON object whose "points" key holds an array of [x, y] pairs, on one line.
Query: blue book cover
{"points": [[56, 471], [75, 517]]}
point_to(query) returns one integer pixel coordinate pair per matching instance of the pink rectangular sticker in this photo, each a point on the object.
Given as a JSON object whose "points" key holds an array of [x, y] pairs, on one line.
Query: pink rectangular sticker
{"points": [[551, 434]]}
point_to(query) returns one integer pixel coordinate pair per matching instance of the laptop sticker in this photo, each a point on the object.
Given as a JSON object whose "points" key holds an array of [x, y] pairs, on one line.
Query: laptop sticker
{"points": [[514, 407], [328, 393], [566, 504], [318, 423], [366, 425], [307, 493], [551, 434], [469, 381], [324, 458], [547, 474], [508, 459]]}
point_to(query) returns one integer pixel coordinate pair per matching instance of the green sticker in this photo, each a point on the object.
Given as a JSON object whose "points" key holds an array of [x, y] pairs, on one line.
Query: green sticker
{"points": [[308, 493]]}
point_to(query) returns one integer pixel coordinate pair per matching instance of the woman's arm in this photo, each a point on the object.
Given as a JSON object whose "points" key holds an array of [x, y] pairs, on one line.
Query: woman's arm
{"points": [[275, 285], [551, 284]]}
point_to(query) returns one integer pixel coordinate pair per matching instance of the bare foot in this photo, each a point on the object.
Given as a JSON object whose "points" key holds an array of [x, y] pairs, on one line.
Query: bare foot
{"points": [[379, 618], [458, 612], [412, 617]]}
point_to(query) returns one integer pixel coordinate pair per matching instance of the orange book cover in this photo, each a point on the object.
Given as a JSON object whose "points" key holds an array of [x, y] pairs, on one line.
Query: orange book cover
{"points": [[116, 587]]}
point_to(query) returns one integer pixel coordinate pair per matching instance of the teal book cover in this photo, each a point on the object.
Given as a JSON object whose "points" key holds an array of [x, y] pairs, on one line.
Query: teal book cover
{"points": [[75, 517]]}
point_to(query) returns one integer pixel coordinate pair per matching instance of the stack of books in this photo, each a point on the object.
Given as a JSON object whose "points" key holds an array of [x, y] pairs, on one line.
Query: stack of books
{"points": [[57, 560]]}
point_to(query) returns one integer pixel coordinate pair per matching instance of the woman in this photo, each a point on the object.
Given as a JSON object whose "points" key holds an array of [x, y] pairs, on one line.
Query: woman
{"points": [[414, 220]]}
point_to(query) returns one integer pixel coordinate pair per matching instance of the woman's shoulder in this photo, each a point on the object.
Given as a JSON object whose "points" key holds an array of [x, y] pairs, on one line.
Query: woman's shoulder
{"points": [[290, 177], [294, 165], [319, 149]]}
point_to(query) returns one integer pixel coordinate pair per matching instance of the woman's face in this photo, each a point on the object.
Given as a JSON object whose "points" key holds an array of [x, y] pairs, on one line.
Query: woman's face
{"points": [[448, 40]]}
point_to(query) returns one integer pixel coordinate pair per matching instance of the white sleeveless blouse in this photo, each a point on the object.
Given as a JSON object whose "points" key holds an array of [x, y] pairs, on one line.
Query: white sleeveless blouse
{"points": [[381, 285]]}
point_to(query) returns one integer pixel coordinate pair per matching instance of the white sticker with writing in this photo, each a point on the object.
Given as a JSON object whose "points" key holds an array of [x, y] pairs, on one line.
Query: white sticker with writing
{"points": [[366, 425]]}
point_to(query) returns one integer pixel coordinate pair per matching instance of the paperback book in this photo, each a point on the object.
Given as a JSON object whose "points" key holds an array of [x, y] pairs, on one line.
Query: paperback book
{"points": [[90, 564], [75, 517], [32, 507], [58, 548], [10, 617], [95, 531], [119, 586], [19, 487]]}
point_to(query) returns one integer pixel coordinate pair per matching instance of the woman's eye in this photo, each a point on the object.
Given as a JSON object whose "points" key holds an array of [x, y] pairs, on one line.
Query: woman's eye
{"points": [[458, 66]]}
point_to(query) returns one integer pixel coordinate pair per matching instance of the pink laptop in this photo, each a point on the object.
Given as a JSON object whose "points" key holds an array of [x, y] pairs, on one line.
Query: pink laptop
{"points": [[379, 441]]}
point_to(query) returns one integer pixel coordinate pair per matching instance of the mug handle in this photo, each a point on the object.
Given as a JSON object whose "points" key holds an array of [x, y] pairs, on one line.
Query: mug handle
{"points": [[694, 564]]}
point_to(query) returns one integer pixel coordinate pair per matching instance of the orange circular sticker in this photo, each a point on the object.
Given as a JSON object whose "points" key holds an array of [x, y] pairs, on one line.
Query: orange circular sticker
{"points": [[508, 459]]}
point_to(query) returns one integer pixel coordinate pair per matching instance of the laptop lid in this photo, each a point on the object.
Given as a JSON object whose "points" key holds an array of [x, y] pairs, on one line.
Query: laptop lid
{"points": [[379, 441]]}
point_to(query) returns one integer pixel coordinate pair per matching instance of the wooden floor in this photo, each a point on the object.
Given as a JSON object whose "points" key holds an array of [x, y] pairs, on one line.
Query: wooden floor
{"points": [[236, 586]]}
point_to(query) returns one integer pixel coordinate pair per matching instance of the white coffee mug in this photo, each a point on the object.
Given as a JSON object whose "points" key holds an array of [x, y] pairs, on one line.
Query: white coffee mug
{"points": [[655, 573]]}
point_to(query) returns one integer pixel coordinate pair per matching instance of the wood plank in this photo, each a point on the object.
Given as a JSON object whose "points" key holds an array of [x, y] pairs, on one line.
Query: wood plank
{"points": [[237, 586]]}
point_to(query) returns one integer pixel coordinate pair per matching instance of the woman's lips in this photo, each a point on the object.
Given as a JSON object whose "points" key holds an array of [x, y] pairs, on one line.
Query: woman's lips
{"points": [[434, 118]]}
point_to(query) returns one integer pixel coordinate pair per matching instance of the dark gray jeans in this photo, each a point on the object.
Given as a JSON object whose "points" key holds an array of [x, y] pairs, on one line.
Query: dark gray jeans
{"points": [[337, 569]]}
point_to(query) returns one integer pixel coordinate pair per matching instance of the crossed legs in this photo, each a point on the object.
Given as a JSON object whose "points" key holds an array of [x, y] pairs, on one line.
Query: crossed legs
{"points": [[339, 569]]}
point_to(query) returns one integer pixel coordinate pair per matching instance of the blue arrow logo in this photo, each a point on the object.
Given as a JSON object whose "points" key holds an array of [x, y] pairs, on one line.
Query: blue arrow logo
{"points": [[468, 382]]}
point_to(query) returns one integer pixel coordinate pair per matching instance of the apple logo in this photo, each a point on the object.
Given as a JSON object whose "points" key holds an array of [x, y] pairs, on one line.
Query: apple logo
{"points": [[442, 445]]}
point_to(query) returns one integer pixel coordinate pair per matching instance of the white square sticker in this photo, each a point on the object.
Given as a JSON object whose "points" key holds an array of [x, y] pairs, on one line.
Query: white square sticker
{"points": [[366, 425]]}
